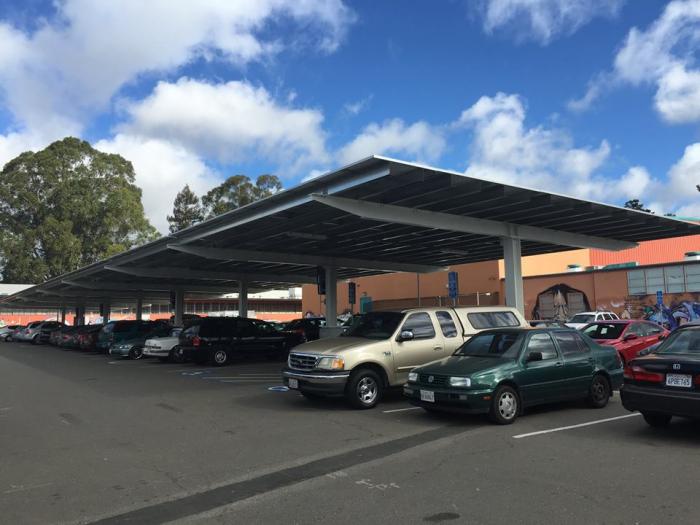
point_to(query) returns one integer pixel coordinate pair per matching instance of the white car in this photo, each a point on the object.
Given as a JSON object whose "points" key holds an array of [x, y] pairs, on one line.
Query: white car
{"points": [[162, 347], [581, 319]]}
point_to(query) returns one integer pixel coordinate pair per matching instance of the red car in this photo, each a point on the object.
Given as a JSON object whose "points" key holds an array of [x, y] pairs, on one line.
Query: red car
{"points": [[629, 337]]}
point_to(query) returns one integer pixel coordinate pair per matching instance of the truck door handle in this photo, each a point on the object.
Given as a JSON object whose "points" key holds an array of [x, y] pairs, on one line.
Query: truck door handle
{"points": [[437, 348]]}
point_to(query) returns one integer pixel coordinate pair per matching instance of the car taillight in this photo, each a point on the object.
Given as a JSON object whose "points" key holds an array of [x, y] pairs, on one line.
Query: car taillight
{"points": [[637, 373], [196, 341]]}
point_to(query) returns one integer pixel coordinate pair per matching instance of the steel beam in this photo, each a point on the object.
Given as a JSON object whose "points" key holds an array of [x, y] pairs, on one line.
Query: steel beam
{"points": [[186, 273], [445, 221], [117, 286], [221, 254]]}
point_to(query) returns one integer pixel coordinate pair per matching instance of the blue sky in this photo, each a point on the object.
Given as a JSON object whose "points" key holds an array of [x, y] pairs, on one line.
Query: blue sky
{"points": [[595, 98]]}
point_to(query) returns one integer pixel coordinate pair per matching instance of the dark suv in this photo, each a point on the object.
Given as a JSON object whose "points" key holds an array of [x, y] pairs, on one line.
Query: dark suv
{"points": [[219, 339], [46, 328]]}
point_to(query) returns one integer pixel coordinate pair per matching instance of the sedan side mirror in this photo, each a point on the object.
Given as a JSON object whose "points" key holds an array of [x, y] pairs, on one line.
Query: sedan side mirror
{"points": [[533, 356], [630, 337], [406, 335], [662, 337]]}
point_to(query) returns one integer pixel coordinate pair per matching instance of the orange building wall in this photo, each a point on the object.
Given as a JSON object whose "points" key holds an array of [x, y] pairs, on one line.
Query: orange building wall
{"points": [[550, 262], [649, 252]]}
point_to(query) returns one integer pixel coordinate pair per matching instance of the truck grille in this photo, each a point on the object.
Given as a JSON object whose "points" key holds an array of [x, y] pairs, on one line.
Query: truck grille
{"points": [[302, 361], [437, 380]]}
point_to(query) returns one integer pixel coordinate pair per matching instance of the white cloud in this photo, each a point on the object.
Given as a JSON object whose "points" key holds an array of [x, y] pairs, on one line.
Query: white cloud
{"points": [[662, 56], [231, 122], [420, 141], [75, 63], [357, 107], [544, 20], [634, 184], [162, 169], [504, 149]]}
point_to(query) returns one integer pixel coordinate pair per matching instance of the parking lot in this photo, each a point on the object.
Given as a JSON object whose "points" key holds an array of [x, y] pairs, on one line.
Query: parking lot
{"points": [[85, 438]]}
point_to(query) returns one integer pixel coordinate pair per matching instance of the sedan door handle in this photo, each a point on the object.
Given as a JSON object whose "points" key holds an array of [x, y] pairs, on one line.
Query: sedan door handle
{"points": [[437, 348]]}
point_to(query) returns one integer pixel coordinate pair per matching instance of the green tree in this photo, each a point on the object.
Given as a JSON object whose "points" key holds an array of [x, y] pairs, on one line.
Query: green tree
{"points": [[186, 210], [64, 207], [634, 204], [237, 191]]}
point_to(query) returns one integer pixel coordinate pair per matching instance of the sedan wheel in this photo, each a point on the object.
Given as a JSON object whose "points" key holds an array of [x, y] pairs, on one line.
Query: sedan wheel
{"points": [[136, 352], [220, 357], [599, 392], [504, 406], [178, 355]]}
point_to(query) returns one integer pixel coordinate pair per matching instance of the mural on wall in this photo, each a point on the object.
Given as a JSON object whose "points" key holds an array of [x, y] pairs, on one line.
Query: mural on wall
{"points": [[676, 310], [560, 302]]}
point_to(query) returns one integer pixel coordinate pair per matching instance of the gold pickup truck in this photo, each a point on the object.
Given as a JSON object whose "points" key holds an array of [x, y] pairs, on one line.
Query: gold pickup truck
{"points": [[380, 349]]}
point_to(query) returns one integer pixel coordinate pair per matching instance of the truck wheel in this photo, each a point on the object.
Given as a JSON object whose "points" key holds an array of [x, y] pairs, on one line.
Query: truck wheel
{"points": [[504, 406], [656, 420], [364, 389]]}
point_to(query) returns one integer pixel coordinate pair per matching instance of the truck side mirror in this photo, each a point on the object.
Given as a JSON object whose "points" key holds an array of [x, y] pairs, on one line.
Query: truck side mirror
{"points": [[405, 335]]}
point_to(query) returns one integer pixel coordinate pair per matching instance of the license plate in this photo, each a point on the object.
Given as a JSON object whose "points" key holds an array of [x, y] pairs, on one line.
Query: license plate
{"points": [[294, 384], [682, 380], [427, 395]]}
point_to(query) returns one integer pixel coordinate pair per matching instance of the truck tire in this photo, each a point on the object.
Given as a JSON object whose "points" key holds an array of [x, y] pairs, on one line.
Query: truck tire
{"points": [[364, 388]]}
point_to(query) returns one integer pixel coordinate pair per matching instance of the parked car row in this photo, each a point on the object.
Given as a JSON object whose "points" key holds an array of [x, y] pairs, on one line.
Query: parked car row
{"points": [[216, 340]]}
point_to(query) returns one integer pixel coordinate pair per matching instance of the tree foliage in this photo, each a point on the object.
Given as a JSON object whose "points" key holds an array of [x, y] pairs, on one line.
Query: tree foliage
{"points": [[187, 210], [635, 204], [237, 191], [64, 207]]}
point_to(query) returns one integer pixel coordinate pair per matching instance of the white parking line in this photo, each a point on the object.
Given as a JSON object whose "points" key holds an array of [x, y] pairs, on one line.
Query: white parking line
{"points": [[589, 423], [400, 410]]}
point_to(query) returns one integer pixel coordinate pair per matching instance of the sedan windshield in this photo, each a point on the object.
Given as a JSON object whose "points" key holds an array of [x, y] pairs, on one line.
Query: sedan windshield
{"points": [[375, 325], [604, 330], [504, 345], [682, 342], [582, 318]]}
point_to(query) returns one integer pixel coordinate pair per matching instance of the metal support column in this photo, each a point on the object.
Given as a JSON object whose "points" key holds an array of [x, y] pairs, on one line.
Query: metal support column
{"points": [[106, 309], [331, 296], [179, 306], [63, 315], [513, 273], [139, 308], [242, 299], [79, 315]]}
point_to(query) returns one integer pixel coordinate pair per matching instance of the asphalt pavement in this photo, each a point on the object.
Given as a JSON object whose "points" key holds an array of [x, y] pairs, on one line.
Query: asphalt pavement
{"points": [[85, 438]]}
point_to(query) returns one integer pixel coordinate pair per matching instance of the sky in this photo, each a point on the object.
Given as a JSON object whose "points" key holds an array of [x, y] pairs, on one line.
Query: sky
{"points": [[599, 99]]}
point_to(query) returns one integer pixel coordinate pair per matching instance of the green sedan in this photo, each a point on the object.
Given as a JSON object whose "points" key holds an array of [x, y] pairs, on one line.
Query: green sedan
{"points": [[500, 372]]}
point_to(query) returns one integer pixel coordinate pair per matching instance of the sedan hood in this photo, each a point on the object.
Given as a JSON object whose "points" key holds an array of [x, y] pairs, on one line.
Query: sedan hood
{"points": [[334, 345], [462, 365]]}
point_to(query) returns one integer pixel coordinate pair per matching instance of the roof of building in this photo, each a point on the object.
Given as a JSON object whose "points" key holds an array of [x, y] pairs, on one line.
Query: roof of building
{"points": [[437, 218]]}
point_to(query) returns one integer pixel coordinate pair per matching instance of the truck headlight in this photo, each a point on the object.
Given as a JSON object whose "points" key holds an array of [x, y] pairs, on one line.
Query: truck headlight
{"points": [[331, 363], [460, 381], [413, 377]]}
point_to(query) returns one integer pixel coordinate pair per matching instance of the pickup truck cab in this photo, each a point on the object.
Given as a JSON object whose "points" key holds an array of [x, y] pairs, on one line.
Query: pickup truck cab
{"points": [[380, 349]]}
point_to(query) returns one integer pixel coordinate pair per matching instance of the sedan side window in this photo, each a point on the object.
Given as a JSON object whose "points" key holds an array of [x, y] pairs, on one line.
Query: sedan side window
{"points": [[421, 325], [568, 344], [447, 324], [542, 343], [636, 329], [652, 329]]}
